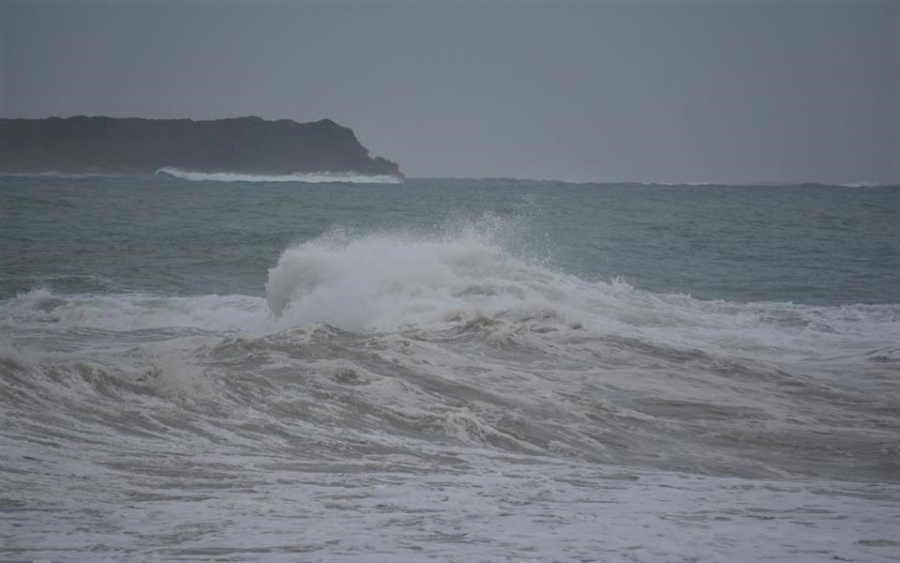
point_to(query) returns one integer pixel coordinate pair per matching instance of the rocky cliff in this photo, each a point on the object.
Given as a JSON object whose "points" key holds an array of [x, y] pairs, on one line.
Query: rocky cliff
{"points": [[105, 145]]}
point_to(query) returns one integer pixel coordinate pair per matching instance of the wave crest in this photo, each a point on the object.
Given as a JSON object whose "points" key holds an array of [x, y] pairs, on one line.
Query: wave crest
{"points": [[389, 282], [303, 177]]}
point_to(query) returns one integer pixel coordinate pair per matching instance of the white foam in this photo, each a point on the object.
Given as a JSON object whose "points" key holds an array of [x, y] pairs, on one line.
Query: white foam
{"points": [[391, 282], [386, 282], [305, 177], [467, 278], [512, 508], [135, 311]]}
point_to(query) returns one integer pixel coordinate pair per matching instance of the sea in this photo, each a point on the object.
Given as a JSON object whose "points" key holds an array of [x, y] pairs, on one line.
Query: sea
{"points": [[348, 369]]}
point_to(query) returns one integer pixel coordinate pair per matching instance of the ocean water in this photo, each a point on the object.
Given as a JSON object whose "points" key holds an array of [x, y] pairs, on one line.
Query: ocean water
{"points": [[194, 369]]}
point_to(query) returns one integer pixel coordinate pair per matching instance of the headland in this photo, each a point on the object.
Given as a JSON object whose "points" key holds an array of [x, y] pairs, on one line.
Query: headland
{"points": [[136, 146]]}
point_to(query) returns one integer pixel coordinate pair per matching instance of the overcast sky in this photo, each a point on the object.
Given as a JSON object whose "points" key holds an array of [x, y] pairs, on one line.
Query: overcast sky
{"points": [[648, 90]]}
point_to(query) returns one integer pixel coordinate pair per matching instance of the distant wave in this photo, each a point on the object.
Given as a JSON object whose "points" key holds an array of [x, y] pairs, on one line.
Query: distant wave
{"points": [[52, 174], [306, 177], [866, 185]]}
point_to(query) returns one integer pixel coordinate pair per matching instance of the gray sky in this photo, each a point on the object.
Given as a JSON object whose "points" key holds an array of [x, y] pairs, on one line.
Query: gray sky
{"points": [[647, 90]]}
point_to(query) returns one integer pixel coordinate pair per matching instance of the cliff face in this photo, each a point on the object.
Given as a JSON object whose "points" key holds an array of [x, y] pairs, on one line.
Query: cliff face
{"points": [[105, 145]]}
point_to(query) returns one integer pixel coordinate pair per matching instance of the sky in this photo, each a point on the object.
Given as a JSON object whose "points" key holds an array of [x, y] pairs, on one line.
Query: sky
{"points": [[738, 91]]}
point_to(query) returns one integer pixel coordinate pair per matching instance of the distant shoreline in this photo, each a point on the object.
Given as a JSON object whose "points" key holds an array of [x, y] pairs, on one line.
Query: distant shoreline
{"points": [[142, 147]]}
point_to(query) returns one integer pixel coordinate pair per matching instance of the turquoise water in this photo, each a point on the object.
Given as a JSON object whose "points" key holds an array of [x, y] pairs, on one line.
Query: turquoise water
{"points": [[452, 370]]}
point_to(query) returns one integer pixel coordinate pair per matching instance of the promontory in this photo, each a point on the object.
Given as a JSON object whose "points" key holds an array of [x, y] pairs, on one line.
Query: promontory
{"points": [[106, 145]]}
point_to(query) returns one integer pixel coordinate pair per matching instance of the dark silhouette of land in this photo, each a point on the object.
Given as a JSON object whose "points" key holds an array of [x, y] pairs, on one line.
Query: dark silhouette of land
{"points": [[106, 145]]}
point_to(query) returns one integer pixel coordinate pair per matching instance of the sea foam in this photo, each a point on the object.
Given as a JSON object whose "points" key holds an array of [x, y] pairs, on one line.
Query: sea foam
{"points": [[304, 177], [388, 282]]}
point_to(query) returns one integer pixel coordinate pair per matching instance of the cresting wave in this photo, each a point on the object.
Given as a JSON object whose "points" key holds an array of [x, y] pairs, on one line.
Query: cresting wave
{"points": [[385, 342], [384, 282], [304, 177]]}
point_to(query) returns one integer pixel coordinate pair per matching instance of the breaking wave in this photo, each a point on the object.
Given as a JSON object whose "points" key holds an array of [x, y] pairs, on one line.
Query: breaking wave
{"points": [[387, 282], [304, 177], [250, 386], [457, 338]]}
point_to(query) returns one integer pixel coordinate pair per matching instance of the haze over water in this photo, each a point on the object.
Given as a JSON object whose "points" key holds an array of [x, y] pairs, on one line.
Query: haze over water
{"points": [[735, 91], [461, 370]]}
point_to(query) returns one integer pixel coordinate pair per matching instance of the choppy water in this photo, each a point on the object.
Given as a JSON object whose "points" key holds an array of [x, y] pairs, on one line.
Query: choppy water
{"points": [[447, 370]]}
